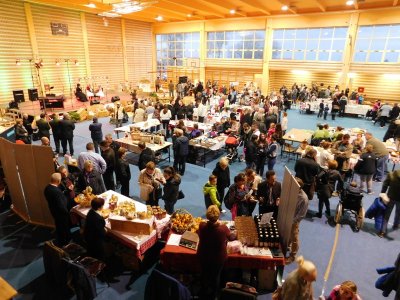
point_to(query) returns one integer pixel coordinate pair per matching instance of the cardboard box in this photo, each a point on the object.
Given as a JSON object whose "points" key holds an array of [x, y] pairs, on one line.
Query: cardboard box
{"points": [[102, 113], [135, 226], [82, 112]]}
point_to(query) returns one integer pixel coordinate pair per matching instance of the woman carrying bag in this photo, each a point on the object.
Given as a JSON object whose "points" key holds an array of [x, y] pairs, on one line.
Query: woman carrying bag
{"points": [[171, 189], [150, 180]]}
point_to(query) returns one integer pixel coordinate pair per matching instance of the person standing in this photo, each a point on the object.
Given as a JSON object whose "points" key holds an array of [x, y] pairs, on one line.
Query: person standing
{"points": [[123, 171], [335, 108], [98, 161], [115, 146], [150, 180], [171, 189], [299, 214], [56, 129], [96, 134], [90, 177], [27, 124], [221, 171], [43, 126], [269, 194], [272, 152], [321, 109], [57, 203], [342, 104], [284, 123], [384, 113], [201, 111], [171, 88], [94, 231], [306, 169], [382, 154], [392, 182], [238, 199], [146, 155], [67, 128], [119, 115], [181, 151], [251, 152], [212, 252], [67, 186], [366, 168], [165, 116], [109, 157], [158, 84], [210, 191]]}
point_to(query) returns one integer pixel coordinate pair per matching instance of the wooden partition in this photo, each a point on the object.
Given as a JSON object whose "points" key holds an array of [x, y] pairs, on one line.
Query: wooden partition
{"points": [[27, 169], [287, 207]]}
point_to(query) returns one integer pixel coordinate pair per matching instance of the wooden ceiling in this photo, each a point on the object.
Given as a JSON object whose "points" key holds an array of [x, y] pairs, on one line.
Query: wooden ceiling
{"points": [[185, 10]]}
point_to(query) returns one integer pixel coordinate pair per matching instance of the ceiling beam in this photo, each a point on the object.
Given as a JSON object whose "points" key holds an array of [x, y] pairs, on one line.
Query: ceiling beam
{"points": [[223, 6], [395, 2], [355, 4], [320, 5], [193, 6], [258, 5]]}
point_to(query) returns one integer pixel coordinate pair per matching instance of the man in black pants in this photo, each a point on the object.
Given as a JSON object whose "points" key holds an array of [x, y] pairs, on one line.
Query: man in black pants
{"points": [[109, 156], [321, 109], [58, 207], [67, 134]]}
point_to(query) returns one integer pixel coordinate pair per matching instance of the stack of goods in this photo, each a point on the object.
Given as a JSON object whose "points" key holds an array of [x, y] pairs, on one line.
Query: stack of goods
{"points": [[181, 221], [246, 230], [157, 212], [268, 235], [82, 112], [85, 199]]}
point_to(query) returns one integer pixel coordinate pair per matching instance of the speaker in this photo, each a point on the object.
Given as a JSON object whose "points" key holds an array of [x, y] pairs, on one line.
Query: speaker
{"points": [[19, 96], [183, 79], [13, 104], [33, 94], [115, 99]]}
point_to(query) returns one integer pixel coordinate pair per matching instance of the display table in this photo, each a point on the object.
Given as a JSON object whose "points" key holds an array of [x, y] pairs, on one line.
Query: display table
{"points": [[351, 109], [132, 146], [189, 125], [145, 125], [139, 243], [208, 145], [298, 135]]}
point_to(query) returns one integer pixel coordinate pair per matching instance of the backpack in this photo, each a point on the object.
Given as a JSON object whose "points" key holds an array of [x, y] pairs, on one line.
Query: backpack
{"points": [[227, 202], [322, 178]]}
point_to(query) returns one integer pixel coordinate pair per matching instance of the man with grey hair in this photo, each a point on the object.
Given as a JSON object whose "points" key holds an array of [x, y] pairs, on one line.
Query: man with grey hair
{"points": [[181, 150], [57, 203]]}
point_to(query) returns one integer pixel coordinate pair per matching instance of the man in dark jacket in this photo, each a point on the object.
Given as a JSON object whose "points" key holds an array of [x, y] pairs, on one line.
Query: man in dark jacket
{"points": [[57, 203], [90, 177], [269, 194], [392, 182], [109, 156], [94, 230], [306, 169], [146, 155], [43, 126], [251, 152], [181, 151], [223, 176], [56, 129], [321, 109], [67, 134], [342, 103], [96, 134]]}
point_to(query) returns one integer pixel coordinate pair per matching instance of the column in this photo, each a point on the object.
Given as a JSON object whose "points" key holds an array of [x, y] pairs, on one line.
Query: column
{"points": [[203, 54], [86, 45], [266, 58], [124, 56]]}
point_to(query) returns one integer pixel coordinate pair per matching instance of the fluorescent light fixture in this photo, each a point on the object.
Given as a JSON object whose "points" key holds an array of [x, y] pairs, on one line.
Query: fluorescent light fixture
{"points": [[109, 14], [349, 2], [90, 5], [57, 63], [285, 8], [232, 11], [18, 62], [76, 62], [159, 18], [351, 75], [300, 72], [189, 15], [392, 76], [127, 7]]}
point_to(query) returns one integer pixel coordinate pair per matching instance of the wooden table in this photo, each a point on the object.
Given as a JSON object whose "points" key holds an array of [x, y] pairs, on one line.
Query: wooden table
{"points": [[6, 290], [208, 145], [295, 136], [145, 125]]}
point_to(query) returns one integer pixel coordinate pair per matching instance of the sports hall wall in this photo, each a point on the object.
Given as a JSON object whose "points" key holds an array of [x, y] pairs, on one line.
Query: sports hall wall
{"points": [[120, 51]]}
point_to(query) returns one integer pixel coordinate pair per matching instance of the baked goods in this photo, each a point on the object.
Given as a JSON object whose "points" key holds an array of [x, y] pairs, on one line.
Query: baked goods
{"points": [[113, 202], [105, 213], [196, 224], [85, 199], [180, 222]]}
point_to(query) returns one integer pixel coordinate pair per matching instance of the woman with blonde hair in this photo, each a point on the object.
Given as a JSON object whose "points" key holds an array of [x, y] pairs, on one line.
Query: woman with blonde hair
{"points": [[345, 291], [298, 284], [150, 180], [140, 114]]}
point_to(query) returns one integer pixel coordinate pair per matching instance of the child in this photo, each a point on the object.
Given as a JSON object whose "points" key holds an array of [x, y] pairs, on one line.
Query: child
{"points": [[326, 110], [346, 291]]}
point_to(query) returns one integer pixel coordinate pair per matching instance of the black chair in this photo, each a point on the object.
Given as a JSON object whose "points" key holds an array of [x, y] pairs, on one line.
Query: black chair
{"points": [[162, 286]]}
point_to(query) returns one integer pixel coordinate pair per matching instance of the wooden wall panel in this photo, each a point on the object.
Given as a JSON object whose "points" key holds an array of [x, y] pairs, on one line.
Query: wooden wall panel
{"points": [[8, 162], [138, 50], [226, 75], [58, 47], [105, 50], [14, 44]]}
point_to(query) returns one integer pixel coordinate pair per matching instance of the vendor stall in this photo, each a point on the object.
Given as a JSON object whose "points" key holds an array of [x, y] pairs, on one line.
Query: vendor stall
{"points": [[295, 136], [143, 126], [190, 125], [206, 145]]}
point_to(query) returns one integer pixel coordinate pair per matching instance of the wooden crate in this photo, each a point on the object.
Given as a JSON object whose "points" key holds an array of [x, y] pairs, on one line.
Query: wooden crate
{"points": [[135, 226]]}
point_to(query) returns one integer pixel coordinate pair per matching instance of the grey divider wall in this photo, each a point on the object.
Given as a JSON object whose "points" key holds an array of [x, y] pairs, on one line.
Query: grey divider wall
{"points": [[9, 165], [28, 169], [287, 207]]}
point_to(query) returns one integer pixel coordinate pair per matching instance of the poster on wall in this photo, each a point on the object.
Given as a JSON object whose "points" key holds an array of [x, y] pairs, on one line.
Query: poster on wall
{"points": [[145, 87]]}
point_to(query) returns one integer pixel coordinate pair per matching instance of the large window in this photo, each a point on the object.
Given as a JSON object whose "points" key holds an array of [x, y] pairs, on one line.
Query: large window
{"points": [[178, 46], [378, 44], [236, 44], [316, 44]]}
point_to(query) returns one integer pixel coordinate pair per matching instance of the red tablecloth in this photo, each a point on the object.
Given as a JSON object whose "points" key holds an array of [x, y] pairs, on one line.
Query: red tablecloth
{"points": [[176, 258]]}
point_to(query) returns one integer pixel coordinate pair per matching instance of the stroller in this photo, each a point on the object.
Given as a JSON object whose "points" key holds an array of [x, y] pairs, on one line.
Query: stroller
{"points": [[351, 201], [232, 144]]}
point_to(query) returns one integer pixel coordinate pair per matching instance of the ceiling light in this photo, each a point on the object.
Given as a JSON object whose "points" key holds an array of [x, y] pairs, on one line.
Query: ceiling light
{"points": [[189, 15], [76, 62], [159, 18], [18, 62], [109, 14], [392, 76], [90, 5], [350, 2], [57, 63], [351, 75], [285, 8], [232, 11], [127, 7]]}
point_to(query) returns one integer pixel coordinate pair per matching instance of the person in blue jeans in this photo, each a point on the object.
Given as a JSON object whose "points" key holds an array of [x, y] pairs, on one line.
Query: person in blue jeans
{"points": [[382, 154], [272, 152]]}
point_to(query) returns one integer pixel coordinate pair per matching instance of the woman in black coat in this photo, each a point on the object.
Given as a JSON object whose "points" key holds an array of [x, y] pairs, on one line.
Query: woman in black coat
{"points": [[251, 152], [223, 176], [90, 177], [94, 231], [123, 171], [171, 189], [366, 168], [326, 182], [262, 146]]}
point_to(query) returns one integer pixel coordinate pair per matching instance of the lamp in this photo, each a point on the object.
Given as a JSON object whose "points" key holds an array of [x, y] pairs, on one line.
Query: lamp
{"points": [[57, 62], [17, 62], [76, 62]]}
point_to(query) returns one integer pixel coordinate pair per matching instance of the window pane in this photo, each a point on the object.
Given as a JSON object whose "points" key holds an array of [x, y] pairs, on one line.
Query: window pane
{"points": [[179, 37], [325, 44], [258, 54], [278, 34], [179, 54], [171, 37], [219, 45], [188, 45], [324, 56], [211, 35], [288, 44], [188, 53], [158, 38], [299, 55], [171, 53], [362, 44], [260, 34], [239, 54], [210, 54], [326, 33], [287, 54], [259, 45], [196, 36], [391, 57], [336, 56], [276, 54], [164, 37], [249, 45], [301, 34], [393, 44], [195, 44], [179, 46], [313, 33], [249, 35], [187, 36], [239, 35], [219, 54], [219, 35], [228, 54], [229, 35], [311, 55], [378, 44], [312, 44], [395, 31], [381, 31], [210, 45], [365, 31], [248, 54], [238, 45], [375, 57], [229, 45], [277, 45], [340, 32], [338, 44], [360, 56], [300, 44], [290, 33], [195, 53]]}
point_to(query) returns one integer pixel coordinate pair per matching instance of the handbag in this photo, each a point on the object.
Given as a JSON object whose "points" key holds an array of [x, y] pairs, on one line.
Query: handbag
{"points": [[181, 195]]}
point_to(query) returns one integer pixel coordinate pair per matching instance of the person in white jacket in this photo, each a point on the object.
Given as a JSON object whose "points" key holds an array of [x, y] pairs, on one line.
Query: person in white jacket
{"points": [[201, 112]]}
